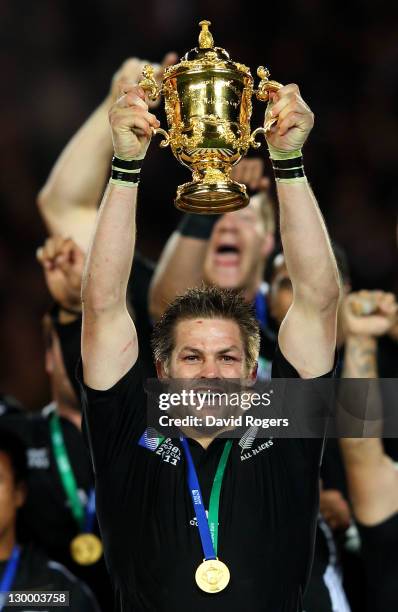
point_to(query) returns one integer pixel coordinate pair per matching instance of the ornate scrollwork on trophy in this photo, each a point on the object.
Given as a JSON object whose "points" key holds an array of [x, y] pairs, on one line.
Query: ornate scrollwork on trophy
{"points": [[149, 83]]}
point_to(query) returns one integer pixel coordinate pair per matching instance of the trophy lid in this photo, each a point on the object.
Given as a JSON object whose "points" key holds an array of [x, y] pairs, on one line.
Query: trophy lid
{"points": [[206, 54], [206, 44]]}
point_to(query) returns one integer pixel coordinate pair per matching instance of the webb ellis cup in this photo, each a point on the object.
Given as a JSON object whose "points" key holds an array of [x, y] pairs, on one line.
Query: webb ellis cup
{"points": [[208, 100]]}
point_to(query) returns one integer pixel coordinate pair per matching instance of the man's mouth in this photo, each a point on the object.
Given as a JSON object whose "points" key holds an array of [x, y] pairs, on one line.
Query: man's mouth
{"points": [[209, 388], [227, 255]]}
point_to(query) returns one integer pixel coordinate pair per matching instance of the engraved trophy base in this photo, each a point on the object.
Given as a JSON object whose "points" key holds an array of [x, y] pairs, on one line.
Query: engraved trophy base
{"points": [[211, 198]]}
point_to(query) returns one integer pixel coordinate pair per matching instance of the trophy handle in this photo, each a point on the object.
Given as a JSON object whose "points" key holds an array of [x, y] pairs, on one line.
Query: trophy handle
{"points": [[149, 84], [166, 136], [262, 93], [265, 85], [253, 142]]}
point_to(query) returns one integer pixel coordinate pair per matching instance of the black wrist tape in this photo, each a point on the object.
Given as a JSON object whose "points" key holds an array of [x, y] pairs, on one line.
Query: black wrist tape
{"points": [[123, 164], [289, 173], [283, 164], [126, 177]]}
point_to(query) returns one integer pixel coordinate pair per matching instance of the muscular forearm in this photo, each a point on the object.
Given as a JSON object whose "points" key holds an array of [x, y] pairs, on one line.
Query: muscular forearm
{"points": [[77, 180], [360, 361], [360, 357], [372, 479], [111, 253], [306, 245], [109, 338], [371, 475]]}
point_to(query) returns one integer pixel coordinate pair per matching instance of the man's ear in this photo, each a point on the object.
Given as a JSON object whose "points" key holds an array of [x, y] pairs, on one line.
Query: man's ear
{"points": [[252, 376], [21, 494], [161, 370]]}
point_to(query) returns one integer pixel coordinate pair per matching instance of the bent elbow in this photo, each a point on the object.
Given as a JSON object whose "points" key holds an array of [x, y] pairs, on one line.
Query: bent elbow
{"points": [[331, 296], [322, 298]]}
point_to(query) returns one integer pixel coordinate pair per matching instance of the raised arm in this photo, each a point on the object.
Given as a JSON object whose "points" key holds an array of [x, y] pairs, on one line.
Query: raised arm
{"points": [[69, 200], [307, 336], [371, 475], [109, 340]]}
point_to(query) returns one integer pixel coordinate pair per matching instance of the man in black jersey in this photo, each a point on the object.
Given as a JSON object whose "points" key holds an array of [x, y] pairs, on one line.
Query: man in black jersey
{"points": [[268, 504], [26, 566], [49, 518], [372, 475]]}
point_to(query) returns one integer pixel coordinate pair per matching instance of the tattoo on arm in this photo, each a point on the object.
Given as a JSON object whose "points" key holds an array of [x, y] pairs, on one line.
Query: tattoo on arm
{"points": [[360, 360]]}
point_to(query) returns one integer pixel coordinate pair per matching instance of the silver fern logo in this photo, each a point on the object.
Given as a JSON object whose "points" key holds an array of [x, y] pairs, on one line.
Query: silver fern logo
{"points": [[246, 443], [247, 440]]}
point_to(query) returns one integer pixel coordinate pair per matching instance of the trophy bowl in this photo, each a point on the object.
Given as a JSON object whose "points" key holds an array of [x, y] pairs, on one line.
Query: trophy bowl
{"points": [[208, 102]]}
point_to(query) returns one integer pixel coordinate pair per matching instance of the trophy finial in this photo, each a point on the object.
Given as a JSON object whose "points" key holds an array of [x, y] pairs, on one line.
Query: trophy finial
{"points": [[205, 38], [263, 73]]}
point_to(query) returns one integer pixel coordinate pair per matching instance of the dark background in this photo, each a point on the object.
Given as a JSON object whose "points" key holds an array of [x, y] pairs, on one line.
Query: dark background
{"points": [[56, 61]]}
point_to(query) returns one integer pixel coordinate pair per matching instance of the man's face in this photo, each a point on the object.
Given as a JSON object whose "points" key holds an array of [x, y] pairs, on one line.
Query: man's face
{"points": [[237, 248], [207, 348], [12, 495], [207, 351]]}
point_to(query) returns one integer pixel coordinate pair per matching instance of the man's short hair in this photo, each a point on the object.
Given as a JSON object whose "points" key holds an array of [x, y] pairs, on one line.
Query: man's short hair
{"points": [[12, 446], [208, 302]]}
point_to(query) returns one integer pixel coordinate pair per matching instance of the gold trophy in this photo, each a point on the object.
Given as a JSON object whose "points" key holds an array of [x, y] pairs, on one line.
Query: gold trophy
{"points": [[208, 100]]}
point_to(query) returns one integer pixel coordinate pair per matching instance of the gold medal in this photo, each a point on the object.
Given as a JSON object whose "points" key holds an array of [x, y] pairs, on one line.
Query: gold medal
{"points": [[86, 549], [212, 576]]}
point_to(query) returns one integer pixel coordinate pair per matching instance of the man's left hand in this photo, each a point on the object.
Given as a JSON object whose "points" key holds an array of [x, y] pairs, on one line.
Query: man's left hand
{"points": [[63, 262], [382, 315], [295, 119]]}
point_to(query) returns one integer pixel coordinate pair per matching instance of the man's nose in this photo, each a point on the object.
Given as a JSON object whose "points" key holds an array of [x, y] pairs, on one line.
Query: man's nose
{"points": [[210, 370], [227, 223]]}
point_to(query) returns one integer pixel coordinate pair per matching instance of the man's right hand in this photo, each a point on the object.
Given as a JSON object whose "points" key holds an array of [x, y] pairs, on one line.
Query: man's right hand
{"points": [[369, 313], [131, 123], [63, 263]]}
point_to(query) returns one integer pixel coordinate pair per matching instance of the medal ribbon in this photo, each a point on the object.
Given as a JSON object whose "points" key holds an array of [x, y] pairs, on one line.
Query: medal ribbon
{"points": [[8, 576], [83, 517], [90, 512], [260, 306], [208, 527]]}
